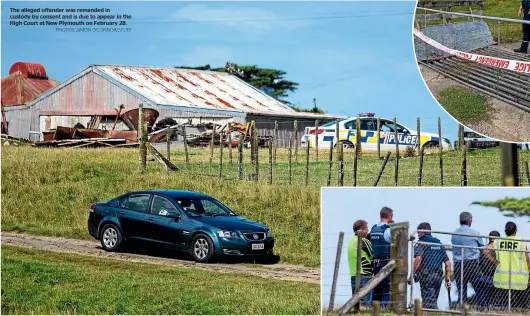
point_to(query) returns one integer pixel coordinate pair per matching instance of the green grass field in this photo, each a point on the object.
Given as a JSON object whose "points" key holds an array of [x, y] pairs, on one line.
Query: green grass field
{"points": [[42, 282], [510, 32], [465, 105], [49, 191]]}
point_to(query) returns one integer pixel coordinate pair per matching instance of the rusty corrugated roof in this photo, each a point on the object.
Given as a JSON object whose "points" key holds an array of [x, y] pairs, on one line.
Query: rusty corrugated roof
{"points": [[25, 82], [203, 89]]}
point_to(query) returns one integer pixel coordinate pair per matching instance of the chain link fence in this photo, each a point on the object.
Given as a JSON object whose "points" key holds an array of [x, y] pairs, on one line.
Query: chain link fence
{"points": [[491, 279]]}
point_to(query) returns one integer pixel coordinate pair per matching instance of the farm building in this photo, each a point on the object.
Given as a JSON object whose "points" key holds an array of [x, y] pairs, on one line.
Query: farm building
{"points": [[181, 94], [25, 82]]}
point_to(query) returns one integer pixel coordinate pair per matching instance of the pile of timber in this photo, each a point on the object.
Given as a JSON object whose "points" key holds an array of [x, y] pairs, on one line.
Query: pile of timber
{"points": [[86, 142]]}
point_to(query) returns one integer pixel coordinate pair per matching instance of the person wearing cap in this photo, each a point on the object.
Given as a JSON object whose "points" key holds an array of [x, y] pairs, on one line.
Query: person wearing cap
{"points": [[361, 227], [524, 9], [380, 239], [466, 260], [487, 268], [429, 259], [513, 264]]}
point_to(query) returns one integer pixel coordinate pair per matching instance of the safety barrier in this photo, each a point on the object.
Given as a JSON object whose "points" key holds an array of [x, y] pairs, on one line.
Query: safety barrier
{"points": [[477, 282]]}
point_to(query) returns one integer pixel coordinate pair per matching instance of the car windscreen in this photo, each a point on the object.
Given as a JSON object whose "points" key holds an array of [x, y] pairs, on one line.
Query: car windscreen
{"points": [[203, 207]]}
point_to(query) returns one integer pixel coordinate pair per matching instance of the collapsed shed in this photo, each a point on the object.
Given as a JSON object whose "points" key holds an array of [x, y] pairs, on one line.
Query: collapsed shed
{"points": [[184, 95]]}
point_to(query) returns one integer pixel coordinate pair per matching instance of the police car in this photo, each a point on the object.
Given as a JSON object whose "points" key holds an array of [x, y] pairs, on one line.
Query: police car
{"points": [[347, 130]]}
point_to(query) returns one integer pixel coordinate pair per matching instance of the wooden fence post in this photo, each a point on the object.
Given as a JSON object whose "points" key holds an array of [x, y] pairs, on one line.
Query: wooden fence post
{"points": [[337, 136], [358, 136], [440, 149], [396, 140], [460, 135], [382, 169], [330, 162], [270, 160], [256, 149], [418, 307], [143, 146], [335, 273], [221, 145], [307, 165], [240, 157], [464, 166], [420, 175], [185, 140], [275, 139], [211, 144], [168, 142], [290, 160], [340, 178], [399, 253], [230, 143], [355, 168], [296, 141], [510, 172], [418, 132], [378, 138], [376, 308], [316, 140]]}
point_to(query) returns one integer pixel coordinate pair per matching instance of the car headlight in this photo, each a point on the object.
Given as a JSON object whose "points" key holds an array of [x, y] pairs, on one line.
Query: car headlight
{"points": [[269, 233], [227, 234]]}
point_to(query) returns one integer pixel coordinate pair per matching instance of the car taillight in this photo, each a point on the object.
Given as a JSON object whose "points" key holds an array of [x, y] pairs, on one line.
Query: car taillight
{"points": [[92, 207], [320, 131]]}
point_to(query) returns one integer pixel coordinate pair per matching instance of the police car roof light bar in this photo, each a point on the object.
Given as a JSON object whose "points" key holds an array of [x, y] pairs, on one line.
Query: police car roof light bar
{"points": [[368, 114]]}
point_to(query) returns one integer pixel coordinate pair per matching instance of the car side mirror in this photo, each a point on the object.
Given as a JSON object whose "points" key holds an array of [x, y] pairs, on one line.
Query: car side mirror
{"points": [[174, 215]]}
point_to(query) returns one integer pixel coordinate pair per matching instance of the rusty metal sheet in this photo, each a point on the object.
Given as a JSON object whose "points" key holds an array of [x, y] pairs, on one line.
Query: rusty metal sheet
{"points": [[25, 82], [130, 117], [128, 135], [203, 89]]}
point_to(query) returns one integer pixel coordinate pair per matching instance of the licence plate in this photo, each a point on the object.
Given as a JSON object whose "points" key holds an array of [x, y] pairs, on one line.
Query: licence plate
{"points": [[258, 246]]}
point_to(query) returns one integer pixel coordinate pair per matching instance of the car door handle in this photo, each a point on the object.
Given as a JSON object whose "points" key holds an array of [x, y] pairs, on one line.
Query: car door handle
{"points": [[152, 218], [122, 212]]}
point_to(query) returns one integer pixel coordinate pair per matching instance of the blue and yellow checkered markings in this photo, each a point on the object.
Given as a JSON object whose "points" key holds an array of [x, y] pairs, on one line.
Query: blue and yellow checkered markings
{"points": [[385, 138]]}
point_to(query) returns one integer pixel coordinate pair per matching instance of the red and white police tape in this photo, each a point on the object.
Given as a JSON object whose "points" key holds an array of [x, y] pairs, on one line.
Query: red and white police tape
{"points": [[513, 65]]}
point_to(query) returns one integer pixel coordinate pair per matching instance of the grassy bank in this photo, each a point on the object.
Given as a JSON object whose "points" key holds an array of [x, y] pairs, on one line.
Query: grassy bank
{"points": [[49, 191], [41, 282], [465, 105]]}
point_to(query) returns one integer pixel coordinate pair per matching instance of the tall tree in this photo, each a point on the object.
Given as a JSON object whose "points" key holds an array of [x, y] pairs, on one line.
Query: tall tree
{"points": [[270, 81], [510, 206]]}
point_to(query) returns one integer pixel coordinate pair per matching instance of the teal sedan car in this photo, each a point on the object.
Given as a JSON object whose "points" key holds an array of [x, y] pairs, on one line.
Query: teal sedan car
{"points": [[187, 221]]}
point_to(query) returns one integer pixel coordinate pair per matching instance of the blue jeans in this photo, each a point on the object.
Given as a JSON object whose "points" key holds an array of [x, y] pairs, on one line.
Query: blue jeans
{"points": [[382, 290], [366, 300], [472, 274]]}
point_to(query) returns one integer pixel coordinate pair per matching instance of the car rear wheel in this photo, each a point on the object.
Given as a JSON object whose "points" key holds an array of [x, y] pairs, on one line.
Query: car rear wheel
{"points": [[111, 238], [201, 248], [346, 144]]}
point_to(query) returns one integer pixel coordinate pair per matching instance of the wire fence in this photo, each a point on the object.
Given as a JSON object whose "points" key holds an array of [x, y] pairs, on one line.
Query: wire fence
{"points": [[327, 164], [489, 279]]}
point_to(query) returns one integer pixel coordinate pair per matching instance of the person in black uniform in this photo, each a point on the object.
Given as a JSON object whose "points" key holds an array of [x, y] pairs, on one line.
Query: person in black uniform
{"points": [[380, 238], [429, 258], [524, 11], [493, 295]]}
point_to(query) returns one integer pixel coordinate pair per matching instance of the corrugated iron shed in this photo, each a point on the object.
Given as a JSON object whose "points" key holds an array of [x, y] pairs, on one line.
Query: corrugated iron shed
{"points": [[192, 88], [24, 83]]}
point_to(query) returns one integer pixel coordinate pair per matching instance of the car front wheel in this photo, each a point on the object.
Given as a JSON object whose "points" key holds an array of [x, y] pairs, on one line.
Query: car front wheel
{"points": [[201, 248], [111, 238]]}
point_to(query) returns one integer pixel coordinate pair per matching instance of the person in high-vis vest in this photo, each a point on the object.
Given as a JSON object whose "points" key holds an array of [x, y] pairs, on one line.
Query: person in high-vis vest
{"points": [[380, 238], [513, 264], [361, 227]]}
